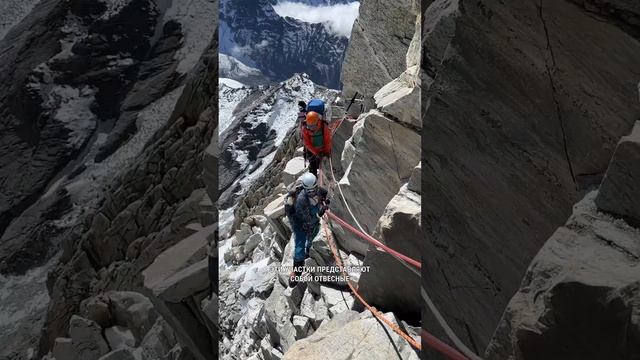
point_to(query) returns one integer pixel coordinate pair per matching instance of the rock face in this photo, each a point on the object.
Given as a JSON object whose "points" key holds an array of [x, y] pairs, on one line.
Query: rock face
{"points": [[154, 205], [380, 38], [496, 186], [351, 335], [257, 36], [390, 285], [78, 79], [619, 190], [579, 297]]}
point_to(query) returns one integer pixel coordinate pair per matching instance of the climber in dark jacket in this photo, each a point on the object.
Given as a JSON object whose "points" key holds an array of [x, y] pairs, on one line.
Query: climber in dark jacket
{"points": [[304, 208]]}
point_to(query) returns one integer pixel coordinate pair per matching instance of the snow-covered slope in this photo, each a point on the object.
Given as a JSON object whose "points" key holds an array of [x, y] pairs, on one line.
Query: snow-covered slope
{"points": [[253, 123], [232, 68]]}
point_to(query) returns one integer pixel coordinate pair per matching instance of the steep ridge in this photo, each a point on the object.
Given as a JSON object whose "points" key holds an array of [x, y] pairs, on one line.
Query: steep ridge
{"points": [[263, 318], [80, 81], [86, 85], [253, 33], [525, 104], [159, 202]]}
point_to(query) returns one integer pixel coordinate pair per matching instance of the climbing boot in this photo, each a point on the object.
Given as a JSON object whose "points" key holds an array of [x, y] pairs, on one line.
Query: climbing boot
{"points": [[297, 272]]}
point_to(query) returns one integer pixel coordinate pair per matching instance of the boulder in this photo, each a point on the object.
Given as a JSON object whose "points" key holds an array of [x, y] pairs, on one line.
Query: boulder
{"points": [[173, 281], [63, 349], [159, 341], [401, 97], [274, 212], [278, 315], [620, 188], [253, 241], [389, 284], [294, 168], [87, 340], [415, 182], [131, 310], [302, 325], [385, 154], [241, 235], [96, 309], [354, 336], [579, 296], [119, 337]]}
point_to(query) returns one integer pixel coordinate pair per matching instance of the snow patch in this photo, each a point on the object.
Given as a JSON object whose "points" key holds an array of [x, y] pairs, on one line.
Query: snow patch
{"points": [[113, 8], [198, 26], [71, 107], [230, 83], [87, 188]]}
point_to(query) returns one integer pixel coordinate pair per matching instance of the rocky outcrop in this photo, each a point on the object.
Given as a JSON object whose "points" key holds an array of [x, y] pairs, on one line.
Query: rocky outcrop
{"points": [[579, 297], [582, 287], [76, 77], [153, 206], [352, 335], [389, 284], [380, 38], [619, 190], [118, 326], [496, 186]]}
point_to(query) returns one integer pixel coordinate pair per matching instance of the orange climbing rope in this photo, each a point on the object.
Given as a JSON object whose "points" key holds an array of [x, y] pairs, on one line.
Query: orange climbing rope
{"points": [[373, 310], [428, 338]]}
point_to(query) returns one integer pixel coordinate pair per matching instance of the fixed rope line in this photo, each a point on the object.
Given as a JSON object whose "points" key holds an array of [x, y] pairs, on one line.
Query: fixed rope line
{"points": [[363, 234], [447, 329], [372, 309], [426, 336], [373, 241]]}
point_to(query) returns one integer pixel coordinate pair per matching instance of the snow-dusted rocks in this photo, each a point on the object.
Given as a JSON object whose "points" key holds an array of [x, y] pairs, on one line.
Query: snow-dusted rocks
{"points": [[178, 277], [278, 315], [350, 335]]}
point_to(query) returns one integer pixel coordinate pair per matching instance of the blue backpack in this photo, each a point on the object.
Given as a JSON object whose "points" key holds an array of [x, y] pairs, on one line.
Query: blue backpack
{"points": [[316, 105]]}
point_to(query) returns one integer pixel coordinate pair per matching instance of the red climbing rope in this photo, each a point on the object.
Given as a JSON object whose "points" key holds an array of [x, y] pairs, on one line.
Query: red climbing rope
{"points": [[373, 241], [441, 346], [373, 310]]}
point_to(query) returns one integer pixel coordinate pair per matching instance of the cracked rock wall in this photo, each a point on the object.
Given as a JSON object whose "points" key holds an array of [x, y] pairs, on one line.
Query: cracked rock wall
{"points": [[527, 103]]}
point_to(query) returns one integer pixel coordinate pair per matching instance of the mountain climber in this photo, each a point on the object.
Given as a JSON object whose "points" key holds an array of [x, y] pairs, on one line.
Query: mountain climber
{"points": [[316, 138], [305, 204]]}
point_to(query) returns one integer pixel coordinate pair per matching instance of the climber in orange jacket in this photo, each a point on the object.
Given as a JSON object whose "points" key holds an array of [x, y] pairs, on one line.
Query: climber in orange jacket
{"points": [[316, 138]]}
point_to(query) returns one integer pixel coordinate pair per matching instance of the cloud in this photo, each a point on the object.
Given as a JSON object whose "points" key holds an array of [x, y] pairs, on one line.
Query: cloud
{"points": [[337, 18], [240, 51]]}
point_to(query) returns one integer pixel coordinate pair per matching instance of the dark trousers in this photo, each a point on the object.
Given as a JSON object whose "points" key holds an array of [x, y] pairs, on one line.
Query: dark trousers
{"points": [[314, 162]]}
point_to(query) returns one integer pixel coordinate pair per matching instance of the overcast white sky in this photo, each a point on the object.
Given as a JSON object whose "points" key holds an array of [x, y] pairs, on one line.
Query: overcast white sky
{"points": [[337, 18]]}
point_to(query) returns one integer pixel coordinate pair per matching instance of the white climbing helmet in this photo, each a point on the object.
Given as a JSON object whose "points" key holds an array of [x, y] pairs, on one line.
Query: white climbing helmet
{"points": [[309, 181]]}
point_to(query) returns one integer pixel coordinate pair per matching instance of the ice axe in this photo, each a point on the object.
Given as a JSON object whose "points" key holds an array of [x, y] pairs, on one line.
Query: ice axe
{"points": [[353, 99]]}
